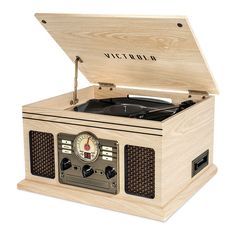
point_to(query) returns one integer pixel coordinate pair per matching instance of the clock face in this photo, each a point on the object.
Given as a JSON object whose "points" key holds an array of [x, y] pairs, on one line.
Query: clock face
{"points": [[86, 147]]}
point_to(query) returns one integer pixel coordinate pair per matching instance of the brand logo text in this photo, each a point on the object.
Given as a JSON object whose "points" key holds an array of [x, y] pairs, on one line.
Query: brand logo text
{"points": [[129, 56]]}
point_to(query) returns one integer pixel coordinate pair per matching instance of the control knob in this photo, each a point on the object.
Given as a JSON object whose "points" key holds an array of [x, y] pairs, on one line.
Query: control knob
{"points": [[65, 164], [87, 171], [110, 172]]}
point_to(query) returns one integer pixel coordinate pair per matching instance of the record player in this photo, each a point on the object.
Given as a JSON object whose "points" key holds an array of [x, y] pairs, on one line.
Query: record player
{"points": [[139, 140]]}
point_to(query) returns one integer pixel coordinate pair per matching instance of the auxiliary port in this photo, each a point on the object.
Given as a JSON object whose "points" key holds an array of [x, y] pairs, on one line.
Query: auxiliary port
{"points": [[200, 163]]}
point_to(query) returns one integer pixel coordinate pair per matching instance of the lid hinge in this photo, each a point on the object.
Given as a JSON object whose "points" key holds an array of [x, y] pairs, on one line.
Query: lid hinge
{"points": [[75, 95], [203, 94], [106, 85]]}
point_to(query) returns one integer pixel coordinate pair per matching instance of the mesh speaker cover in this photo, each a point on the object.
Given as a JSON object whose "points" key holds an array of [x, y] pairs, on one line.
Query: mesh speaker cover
{"points": [[140, 171], [42, 154]]}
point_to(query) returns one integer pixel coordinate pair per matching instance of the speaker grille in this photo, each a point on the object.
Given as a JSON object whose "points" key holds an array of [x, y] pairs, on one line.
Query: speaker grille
{"points": [[140, 171], [42, 154]]}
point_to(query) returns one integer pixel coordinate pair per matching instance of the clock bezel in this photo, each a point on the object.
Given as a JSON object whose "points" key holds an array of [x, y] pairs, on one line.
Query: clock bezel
{"points": [[76, 149]]}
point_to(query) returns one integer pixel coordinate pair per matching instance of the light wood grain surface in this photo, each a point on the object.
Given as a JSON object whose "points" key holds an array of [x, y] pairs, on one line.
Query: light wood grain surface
{"points": [[185, 137], [179, 64]]}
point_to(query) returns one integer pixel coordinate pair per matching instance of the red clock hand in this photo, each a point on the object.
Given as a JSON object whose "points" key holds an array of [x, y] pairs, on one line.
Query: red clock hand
{"points": [[87, 146]]}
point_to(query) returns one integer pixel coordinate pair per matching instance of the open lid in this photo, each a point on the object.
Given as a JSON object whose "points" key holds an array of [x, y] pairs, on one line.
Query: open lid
{"points": [[147, 52]]}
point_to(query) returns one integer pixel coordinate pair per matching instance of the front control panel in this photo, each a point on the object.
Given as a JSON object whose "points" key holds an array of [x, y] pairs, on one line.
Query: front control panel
{"points": [[87, 161]]}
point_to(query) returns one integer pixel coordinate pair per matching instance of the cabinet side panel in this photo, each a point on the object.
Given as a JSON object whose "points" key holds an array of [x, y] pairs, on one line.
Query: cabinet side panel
{"points": [[186, 137]]}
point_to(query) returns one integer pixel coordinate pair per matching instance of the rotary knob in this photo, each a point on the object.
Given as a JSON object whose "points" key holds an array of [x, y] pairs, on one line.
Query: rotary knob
{"points": [[87, 171], [110, 172], [65, 164]]}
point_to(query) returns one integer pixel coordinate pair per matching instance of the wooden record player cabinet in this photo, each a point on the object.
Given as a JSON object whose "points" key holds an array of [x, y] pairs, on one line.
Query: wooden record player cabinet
{"points": [[120, 56]]}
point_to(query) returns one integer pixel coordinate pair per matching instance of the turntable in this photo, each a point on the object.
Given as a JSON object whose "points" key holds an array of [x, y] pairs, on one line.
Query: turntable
{"points": [[139, 140], [133, 107]]}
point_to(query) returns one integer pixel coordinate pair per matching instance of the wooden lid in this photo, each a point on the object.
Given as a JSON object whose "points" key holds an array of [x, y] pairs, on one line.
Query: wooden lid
{"points": [[147, 52]]}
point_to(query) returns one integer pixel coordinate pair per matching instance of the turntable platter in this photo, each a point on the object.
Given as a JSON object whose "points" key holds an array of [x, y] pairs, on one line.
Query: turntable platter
{"points": [[140, 108], [124, 109]]}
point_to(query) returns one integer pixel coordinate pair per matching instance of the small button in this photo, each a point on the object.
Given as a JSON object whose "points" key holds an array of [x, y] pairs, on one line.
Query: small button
{"points": [[105, 158], [66, 146], [107, 153], [107, 148], [66, 141], [66, 151]]}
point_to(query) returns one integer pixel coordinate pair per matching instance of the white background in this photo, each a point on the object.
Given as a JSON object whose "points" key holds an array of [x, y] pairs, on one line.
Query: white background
{"points": [[33, 67]]}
